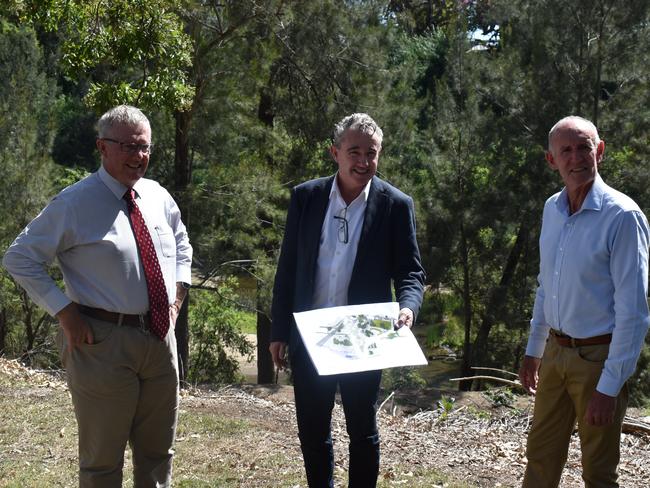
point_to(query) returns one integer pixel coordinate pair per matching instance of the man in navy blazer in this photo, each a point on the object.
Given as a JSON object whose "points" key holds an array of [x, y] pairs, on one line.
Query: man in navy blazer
{"points": [[348, 237]]}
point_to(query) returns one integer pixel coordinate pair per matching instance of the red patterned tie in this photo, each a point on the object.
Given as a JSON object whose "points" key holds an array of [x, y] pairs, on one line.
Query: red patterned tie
{"points": [[158, 300]]}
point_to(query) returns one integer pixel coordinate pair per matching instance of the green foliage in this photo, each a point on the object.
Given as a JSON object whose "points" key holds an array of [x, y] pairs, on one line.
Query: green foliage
{"points": [[500, 397], [260, 85], [68, 176], [441, 314], [445, 406], [402, 379], [247, 323], [27, 100], [236, 215], [74, 145], [639, 383], [128, 51], [215, 328]]}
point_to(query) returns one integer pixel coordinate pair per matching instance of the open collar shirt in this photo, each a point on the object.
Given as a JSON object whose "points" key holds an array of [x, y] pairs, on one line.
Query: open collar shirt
{"points": [[336, 258], [593, 278], [86, 228]]}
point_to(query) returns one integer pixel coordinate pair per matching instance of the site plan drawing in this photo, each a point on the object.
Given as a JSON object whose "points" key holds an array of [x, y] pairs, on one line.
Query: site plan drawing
{"points": [[357, 338]]}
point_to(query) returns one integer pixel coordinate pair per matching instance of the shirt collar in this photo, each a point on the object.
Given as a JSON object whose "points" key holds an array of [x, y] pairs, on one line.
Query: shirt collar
{"points": [[335, 192], [593, 200], [116, 188]]}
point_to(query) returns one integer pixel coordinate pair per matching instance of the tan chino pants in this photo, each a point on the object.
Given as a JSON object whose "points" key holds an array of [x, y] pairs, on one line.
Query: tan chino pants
{"points": [[567, 379], [124, 388]]}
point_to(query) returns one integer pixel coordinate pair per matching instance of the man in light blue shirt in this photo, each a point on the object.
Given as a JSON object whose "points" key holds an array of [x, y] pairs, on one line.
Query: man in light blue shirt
{"points": [[123, 379], [590, 315]]}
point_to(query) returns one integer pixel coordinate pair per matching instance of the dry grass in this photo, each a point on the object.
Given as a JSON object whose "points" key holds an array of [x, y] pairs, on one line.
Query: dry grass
{"points": [[226, 438], [246, 437]]}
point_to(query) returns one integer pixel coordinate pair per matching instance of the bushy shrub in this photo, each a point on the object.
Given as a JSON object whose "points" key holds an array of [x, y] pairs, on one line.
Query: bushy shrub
{"points": [[215, 335], [402, 379]]}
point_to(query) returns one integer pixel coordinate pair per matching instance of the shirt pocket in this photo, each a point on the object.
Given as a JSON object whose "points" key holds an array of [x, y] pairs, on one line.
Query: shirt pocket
{"points": [[166, 241]]}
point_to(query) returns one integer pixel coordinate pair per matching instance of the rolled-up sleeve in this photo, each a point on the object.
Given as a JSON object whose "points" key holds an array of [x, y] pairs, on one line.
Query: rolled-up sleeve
{"points": [[183, 247]]}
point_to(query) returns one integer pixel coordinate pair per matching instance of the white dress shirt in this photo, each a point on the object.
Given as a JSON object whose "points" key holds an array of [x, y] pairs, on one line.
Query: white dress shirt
{"points": [[86, 228], [593, 278], [336, 258]]}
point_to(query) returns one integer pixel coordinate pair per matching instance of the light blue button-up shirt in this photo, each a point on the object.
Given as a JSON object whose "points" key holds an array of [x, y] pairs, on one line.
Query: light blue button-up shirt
{"points": [[86, 229], [593, 278]]}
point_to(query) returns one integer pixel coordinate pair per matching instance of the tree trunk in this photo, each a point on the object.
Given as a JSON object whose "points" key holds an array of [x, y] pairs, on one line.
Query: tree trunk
{"points": [[28, 310], [265, 369], [4, 329], [599, 69], [182, 176], [467, 306], [497, 298], [580, 74], [183, 347]]}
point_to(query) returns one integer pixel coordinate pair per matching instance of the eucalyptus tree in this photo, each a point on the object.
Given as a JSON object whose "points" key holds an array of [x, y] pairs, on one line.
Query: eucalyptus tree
{"points": [[28, 98], [123, 51], [553, 59]]}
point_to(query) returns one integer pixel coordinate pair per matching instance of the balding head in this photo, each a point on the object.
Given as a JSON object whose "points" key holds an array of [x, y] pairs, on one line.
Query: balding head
{"points": [[573, 122]]}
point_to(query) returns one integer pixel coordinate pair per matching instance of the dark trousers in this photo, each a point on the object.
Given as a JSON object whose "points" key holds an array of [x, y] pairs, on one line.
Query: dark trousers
{"points": [[314, 396]]}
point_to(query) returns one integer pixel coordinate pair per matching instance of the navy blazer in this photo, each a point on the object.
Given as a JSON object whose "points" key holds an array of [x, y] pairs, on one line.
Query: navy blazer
{"points": [[388, 252]]}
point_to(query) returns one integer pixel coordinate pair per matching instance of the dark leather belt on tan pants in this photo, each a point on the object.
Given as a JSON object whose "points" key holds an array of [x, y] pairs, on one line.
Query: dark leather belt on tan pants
{"points": [[141, 321], [568, 341]]}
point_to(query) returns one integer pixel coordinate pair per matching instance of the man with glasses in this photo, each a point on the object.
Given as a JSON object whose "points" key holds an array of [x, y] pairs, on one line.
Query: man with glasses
{"points": [[125, 258], [348, 237]]}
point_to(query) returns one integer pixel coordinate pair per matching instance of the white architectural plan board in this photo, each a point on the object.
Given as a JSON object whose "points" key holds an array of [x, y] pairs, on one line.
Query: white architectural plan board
{"points": [[357, 338]]}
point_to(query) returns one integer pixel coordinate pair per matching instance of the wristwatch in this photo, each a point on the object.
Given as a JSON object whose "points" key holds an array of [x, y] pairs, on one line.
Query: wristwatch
{"points": [[186, 286]]}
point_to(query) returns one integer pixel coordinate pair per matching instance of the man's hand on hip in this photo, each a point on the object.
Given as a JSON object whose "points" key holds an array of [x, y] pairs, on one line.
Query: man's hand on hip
{"points": [[600, 410], [279, 354], [75, 327], [529, 373]]}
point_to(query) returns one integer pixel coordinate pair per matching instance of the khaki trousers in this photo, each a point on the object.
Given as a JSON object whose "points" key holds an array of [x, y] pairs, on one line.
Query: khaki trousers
{"points": [[567, 379], [124, 388]]}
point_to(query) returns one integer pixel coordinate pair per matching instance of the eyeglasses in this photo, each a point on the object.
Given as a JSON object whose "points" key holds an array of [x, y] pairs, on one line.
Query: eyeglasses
{"points": [[132, 148], [343, 225]]}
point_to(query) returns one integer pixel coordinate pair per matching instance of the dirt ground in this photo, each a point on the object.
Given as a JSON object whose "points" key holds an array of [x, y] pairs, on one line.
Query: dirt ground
{"points": [[475, 442], [471, 442]]}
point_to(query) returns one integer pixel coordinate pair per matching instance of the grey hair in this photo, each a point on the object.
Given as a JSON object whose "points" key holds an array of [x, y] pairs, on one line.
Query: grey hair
{"points": [[121, 115], [573, 118], [361, 122]]}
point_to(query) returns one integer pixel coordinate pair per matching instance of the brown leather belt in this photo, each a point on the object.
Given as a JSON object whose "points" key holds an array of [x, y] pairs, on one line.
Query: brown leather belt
{"points": [[568, 341], [141, 321]]}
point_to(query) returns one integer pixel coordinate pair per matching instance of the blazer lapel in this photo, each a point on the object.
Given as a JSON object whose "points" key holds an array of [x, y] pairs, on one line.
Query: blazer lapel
{"points": [[319, 203]]}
